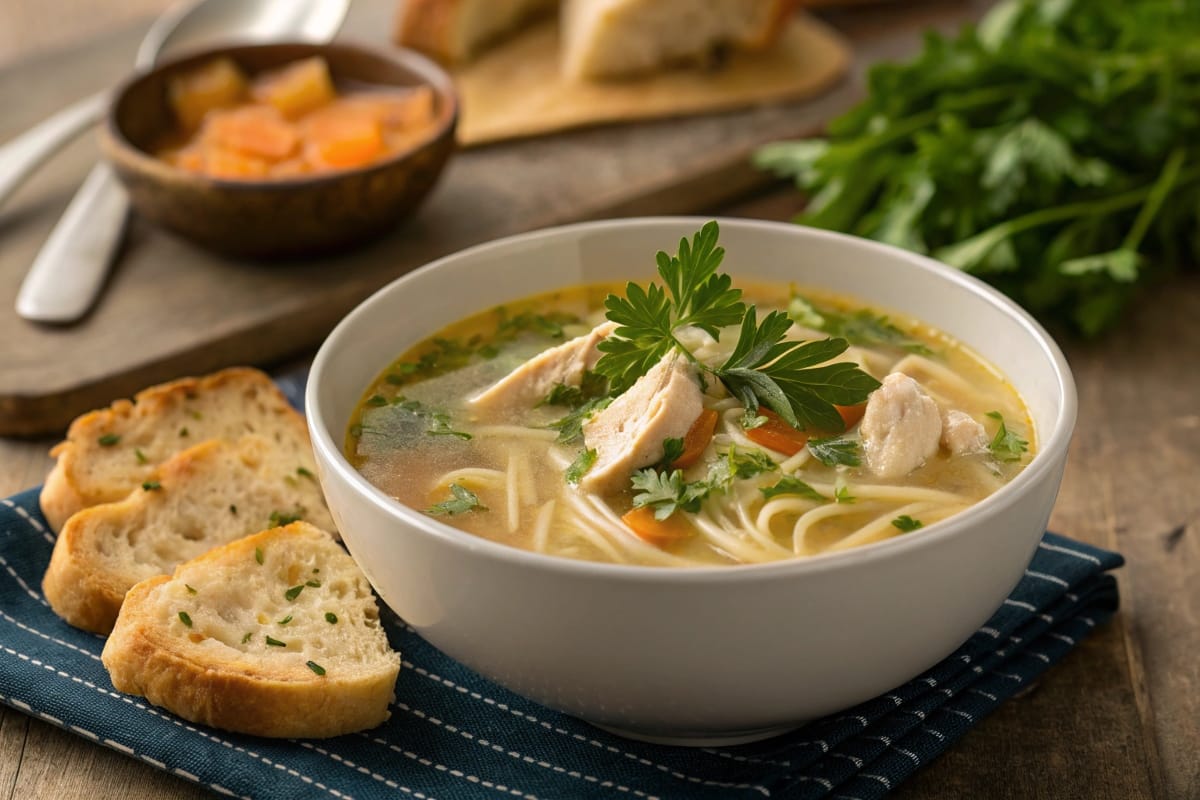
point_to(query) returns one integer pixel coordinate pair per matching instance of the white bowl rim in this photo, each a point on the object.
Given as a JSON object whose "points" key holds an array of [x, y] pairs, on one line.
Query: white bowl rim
{"points": [[1055, 443]]}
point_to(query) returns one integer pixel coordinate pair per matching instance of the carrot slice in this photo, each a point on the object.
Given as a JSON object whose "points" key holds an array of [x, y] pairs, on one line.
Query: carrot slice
{"points": [[344, 138], [852, 414], [658, 532], [255, 130], [697, 438], [776, 434]]}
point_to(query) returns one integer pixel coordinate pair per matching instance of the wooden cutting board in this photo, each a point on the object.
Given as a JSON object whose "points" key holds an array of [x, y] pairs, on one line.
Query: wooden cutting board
{"points": [[170, 309]]}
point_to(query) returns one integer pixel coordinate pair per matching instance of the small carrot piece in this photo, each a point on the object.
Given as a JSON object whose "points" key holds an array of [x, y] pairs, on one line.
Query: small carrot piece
{"points": [[658, 532], [344, 139], [254, 130], [776, 434], [697, 439], [852, 414]]}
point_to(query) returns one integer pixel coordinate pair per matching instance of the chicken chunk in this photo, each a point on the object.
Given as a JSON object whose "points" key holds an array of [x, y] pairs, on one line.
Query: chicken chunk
{"points": [[533, 380], [629, 433], [962, 435], [901, 427]]}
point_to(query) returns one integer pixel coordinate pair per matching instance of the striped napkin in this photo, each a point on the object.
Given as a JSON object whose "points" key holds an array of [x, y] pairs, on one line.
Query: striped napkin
{"points": [[455, 735]]}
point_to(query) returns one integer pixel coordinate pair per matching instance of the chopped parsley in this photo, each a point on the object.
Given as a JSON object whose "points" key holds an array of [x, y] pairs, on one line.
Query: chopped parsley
{"points": [[313, 583], [580, 466], [194, 414], [247, 637], [258, 555], [190, 588], [108, 439], [789, 485], [832, 452], [280, 518], [842, 495], [286, 620], [183, 431], [232, 508], [667, 492], [275, 642], [151, 486], [907, 524], [461, 501], [315, 667], [331, 617], [591, 386], [672, 450], [140, 456], [1006, 445], [570, 427], [294, 592], [377, 400], [305, 473], [863, 328], [185, 619]]}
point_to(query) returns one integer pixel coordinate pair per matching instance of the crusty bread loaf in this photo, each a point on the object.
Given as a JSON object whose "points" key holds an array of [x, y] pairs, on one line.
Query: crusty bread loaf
{"points": [[621, 38], [276, 634], [206, 496], [453, 31], [110, 452]]}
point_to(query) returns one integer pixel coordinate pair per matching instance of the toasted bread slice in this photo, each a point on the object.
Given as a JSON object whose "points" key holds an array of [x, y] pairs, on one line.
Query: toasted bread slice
{"points": [[623, 38], [276, 634], [204, 497], [454, 31], [110, 452]]}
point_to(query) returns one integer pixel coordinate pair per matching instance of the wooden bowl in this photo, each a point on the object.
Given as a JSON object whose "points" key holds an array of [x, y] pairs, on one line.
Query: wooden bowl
{"points": [[275, 217]]}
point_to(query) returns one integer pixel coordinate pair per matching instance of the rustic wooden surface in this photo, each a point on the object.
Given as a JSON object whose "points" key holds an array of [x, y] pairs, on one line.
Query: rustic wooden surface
{"points": [[170, 308], [1119, 718]]}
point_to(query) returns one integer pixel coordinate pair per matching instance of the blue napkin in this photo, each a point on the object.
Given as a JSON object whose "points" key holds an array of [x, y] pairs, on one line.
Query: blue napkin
{"points": [[455, 735]]}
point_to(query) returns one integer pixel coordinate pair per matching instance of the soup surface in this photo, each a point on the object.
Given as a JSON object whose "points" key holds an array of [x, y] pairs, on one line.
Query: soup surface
{"points": [[512, 425]]}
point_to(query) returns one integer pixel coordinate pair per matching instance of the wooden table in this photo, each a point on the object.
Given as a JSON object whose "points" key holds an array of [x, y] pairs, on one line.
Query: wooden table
{"points": [[1118, 718]]}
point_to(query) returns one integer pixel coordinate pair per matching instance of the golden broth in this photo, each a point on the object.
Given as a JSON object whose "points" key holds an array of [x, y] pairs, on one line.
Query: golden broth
{"points": [[515, 468]]}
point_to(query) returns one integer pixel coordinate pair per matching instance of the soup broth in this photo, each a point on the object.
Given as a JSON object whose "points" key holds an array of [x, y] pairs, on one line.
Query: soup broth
{"points": [[760, 489]]}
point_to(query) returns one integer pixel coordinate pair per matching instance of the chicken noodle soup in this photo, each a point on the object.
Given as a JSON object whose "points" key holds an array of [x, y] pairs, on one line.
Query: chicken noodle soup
{"points": [[689, 422]]}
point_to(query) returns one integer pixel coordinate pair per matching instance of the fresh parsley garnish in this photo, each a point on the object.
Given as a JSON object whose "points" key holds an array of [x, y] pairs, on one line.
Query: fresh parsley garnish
{"points": [[294, 592], [1006, 445], [304, 472], [185, 618], [275, 642], [832, 452], [672, 450], [183, 431], [313, 583], [570, 427], [246, 638], [258, 555], [591, 386], [737, 465], [580, 466], [151, 486], [140, 456], [863, 327], [906, 523], [285, 620], [667, 492], [414, 416], [841, 494], [377, 400], [190, 589], [331, 617], [315, 667], [108, 439], [791, 378], [789, 485], [461, 501]]}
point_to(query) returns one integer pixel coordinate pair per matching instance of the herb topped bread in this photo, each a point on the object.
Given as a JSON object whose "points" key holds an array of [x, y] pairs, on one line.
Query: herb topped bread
{"points": [[276, 634], [110, 452], [206, 496]]}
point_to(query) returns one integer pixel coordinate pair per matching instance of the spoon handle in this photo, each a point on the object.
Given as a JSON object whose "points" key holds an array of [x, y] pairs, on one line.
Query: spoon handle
{"points": [[70, 268], [23, 154]]}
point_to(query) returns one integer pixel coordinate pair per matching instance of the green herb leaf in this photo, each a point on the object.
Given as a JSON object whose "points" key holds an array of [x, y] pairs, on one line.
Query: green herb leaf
{"points": [[331, 617], [294, 592], [304, 472], [108, 439], [140, 456], [275, 642], [832, 452], [789, 485], [667, 492], [151, 486], [247, 637], [315, 667], [841, 494], [907, 524], [672, 450], [579, 467], [377, 400], [183, 431], [591, 386], [190, 589], [862, 328], [258, 555], [461, 501], [286, 620], [185, 618], [232, 508], [570, 427], [313, 583], [1006, 445], [280, 518]]}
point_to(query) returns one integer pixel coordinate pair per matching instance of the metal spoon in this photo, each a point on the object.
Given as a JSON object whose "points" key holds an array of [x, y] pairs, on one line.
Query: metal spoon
{"points": [[67, 273]]}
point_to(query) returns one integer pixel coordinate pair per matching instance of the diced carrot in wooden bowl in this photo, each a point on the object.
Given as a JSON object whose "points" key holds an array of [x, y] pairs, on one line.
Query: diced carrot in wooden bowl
{"points": [[255, 130], [230, 164], [297, 88], [217, 84], [339, 138]]}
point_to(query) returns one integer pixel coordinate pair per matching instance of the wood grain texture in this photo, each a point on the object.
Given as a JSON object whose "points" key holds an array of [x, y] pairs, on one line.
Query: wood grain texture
{"points": [[170, 308]]}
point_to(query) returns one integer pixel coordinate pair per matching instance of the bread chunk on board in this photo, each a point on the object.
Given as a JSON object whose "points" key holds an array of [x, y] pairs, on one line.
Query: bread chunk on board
{"points": [[206, 496], [276, 634], [110, 452], [454, 31]]}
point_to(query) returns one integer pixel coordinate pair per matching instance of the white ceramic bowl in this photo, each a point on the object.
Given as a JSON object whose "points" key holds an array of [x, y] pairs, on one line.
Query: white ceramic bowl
{"points": [[696, 655]]}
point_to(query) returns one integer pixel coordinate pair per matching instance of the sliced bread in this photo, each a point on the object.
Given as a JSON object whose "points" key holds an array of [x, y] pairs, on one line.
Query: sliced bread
{"points": [[622, 38], [109, 453], [454, 31], [206, 496], [276, 634]]}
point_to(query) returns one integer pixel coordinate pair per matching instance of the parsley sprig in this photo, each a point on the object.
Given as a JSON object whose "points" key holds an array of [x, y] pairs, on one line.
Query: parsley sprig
{"points": [[790, 377], [1006, 445], [667, 491], [461, 501]]}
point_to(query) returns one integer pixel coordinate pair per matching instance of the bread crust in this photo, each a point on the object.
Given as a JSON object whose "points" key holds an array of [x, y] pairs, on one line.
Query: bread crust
{"points": [[427, 25], [271, 699], [65, 492], [83, 596]]}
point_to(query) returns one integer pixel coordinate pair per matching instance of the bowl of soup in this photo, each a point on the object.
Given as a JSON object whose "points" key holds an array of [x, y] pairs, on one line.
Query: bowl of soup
{"points": [[690, 484], [285, 149]]}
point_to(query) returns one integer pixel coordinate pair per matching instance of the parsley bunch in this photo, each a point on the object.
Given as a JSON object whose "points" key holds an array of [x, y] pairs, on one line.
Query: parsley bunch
{"points": [[1053, 150], [791, 378]]}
